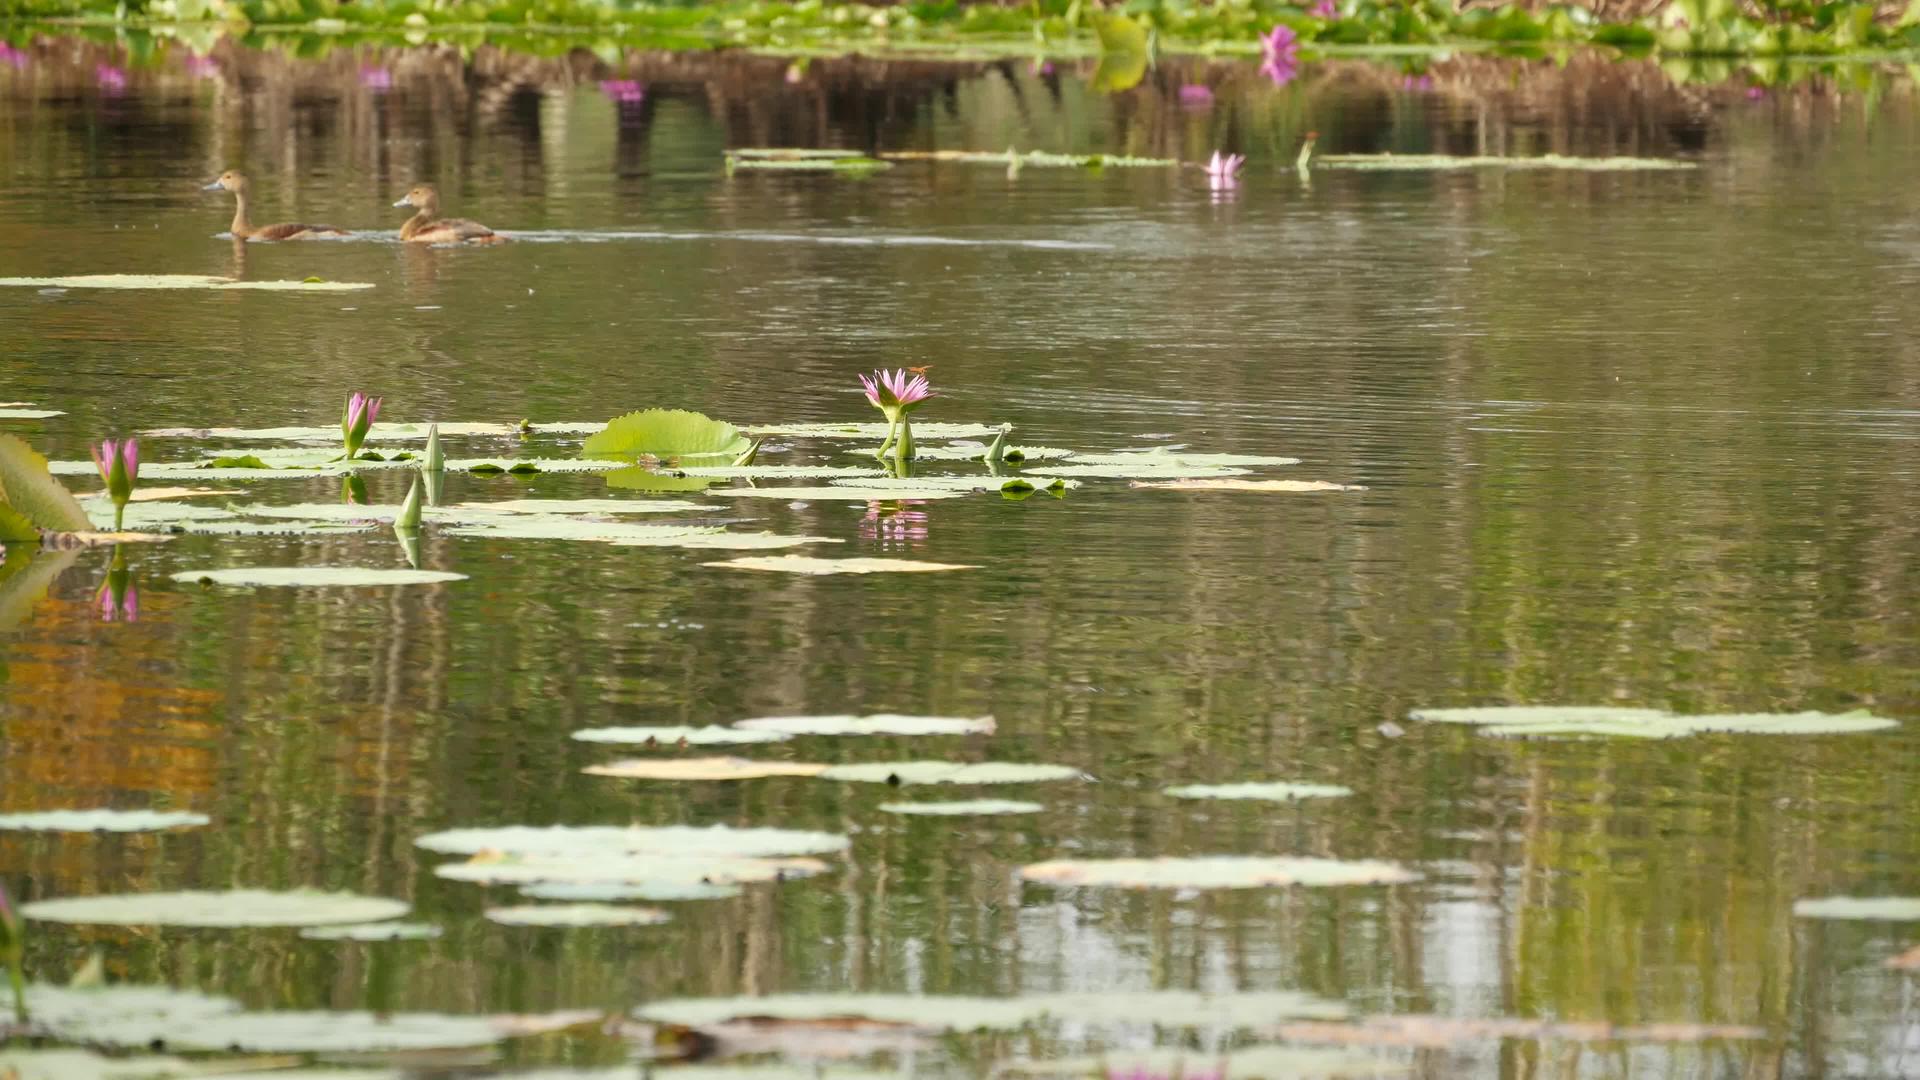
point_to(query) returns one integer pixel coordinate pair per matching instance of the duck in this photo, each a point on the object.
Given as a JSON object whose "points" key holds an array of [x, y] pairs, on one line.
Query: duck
{"points": [[428, 227], [247, 230]]}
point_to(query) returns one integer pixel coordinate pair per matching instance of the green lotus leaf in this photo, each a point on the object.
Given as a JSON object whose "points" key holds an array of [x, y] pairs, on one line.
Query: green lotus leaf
{"points": [[30, 491]]}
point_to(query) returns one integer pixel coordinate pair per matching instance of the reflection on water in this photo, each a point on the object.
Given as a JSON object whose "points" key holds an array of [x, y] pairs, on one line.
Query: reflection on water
{"points": [[1628, 439]]}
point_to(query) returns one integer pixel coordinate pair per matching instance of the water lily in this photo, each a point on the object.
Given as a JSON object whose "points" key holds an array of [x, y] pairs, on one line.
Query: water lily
{"points": [[1223, 170], [118, 598], [359, 417], [110, 79], [1280, 55], [119, 465], [1326, 9], [897, 393], [408, 519], [435, 459]]}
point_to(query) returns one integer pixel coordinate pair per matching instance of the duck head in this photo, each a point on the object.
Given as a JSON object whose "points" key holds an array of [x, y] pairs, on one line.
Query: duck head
{"points": [[227, 181]]}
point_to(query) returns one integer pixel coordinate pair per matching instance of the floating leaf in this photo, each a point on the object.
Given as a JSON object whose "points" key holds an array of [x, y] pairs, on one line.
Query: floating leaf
{"points": [[1577, 720], [162, 494], [662, 840], [857, 164], [1142, 471], [776, 472], [237, 907], [176, 281], [1183, 459], [100, 821], [526, 465], [1425, 162], [31, 492], [664, 433], [963, 808], [152, 516], [63, 1064], [972, 451], [947, 772], [1123, 54], [548, 527], [1441, 1032], [941, 1012], [864, 493], [1869, 908], [802, 564], [711, 735], [13, 413], [654, 871], [738, 541], [373, 931], [1277, 791], [605, 892], [707, 768], [315, 577], [553, 507], [877, 724], [917, 487], [276, 528], [378, 433], [310, 1032], [1215, 872], [1242, 1063], [1269, 486], [236, 461], [922, 430], [577, 915]]}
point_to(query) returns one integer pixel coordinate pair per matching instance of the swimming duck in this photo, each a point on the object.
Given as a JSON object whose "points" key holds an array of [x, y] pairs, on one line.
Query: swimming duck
{"points": [[428, 227], [246, 230]]}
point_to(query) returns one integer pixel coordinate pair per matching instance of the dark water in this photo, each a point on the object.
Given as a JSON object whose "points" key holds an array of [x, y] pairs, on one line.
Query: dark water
{"points": [[1629, 438]]}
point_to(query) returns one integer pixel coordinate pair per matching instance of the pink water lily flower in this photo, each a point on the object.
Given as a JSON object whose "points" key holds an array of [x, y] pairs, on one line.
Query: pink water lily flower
{"points": [[12, 57], [1223, 170], [119, 465], [109, 78], [1196, 96], [896, 392], [1326, 9], [121, 604], [358, 420]]}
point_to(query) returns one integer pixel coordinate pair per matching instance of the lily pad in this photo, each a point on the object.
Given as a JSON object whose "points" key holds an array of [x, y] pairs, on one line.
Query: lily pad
{"points": [[1268, 486], [739, 541], [548, 527], [1277, 791], [711, 735], [378, 433], [877, 724], [161, 494], [943, 1012], [1183, 459], [902, 773], [1528, 721], [657, 891], [66, 1064], [312, 1032], [30, 498], [963, 808], [872, 492], [373, 931], [664, 433], [654, 871], [974, 451], [1216, 872], [1272, 1062], [177, 281], [276, 528], [856, 164], [315, 577], [11, 413], [100, 821], [1442, 162], [707, 768], [1143, 471], [1442, 1032], [233, 908], [1869, 908], [155, 515], [577, 915], [552, 507], [520, 466], [803, 564], [921, 431], [661, 840], [776, 472]]}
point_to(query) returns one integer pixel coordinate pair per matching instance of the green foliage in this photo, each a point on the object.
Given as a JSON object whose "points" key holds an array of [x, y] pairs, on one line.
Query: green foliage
{"points": [[34, 500], [665, 433]]}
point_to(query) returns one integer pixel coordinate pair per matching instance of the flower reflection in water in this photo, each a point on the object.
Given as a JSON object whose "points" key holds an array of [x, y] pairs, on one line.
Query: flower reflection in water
{"points": [[893, 526], [118, 598]]}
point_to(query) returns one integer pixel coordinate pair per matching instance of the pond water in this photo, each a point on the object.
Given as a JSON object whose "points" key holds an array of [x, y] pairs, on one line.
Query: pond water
{"points": [[1627, 439]]}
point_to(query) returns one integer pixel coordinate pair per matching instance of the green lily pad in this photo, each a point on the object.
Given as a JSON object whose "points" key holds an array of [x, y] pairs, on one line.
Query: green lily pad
{"points": [[233, 908], [1277, 791], [870, 491], [378, 433], [903, 773], [100, 821], [583, 914], [658, 891], [877, 724], [1869, 908], [153, 516], [654, 871], [176, 281], [777, 472], [802, 564], [963, 808], [562, 507], [31, 497], [373, 931], [1443, 162], [523, 465], [857, 164], [315, 577], [1215, 872], [711, 735], [1546, 721], [664, 433], [276, 528], [922, 430], [675, 841], [973, 451], [915, 487]]}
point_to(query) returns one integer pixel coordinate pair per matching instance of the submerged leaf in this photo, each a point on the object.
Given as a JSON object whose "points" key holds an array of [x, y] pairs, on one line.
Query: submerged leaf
{"points": [[664, 433], [1215, 872], [236, 907], [877, 724], [802, 564], [580, 914], [707, 768]]}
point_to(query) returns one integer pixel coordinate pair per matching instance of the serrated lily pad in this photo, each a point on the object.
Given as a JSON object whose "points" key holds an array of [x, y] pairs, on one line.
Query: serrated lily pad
{"points": [[100, 821], [657, 891], [865, 492], [177, 281], [1549, 721], [583, 914], [1869, 908], [877, 724], [315, 577], [1276, 791], [711, 735], [921, 431], [1268, 486], [1215, 872], [661, 840], [706, 768], [233, 908], [963, 808], [373, 931], [649, 870], [803, 564], [561, 507], [904, 773]]}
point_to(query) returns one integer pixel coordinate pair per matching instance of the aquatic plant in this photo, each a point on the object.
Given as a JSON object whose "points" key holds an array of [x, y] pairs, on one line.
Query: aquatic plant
{"points": [[408, 520], [1142, 1072], [1325, 9], [1224, 171], [896, 394], [118, 598], [433, 459], [361, 412], [12, 952], [119, 465]]}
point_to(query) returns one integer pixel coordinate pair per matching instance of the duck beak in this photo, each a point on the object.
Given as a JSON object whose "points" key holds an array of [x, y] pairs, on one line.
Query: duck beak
{"points": [[213, 185], [403, 202]]}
